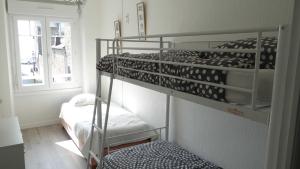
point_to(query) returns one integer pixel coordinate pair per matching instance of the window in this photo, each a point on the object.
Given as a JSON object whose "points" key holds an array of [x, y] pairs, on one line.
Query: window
{"points": [[30, 52], [44, 53], [61, 51]]}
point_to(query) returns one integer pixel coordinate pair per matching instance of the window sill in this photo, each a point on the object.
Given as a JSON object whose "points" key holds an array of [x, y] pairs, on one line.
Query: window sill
{"points": [[47, 91]]}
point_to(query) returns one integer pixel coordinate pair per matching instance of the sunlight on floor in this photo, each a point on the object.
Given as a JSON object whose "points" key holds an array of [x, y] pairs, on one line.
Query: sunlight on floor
{"points": [[69, 145]]}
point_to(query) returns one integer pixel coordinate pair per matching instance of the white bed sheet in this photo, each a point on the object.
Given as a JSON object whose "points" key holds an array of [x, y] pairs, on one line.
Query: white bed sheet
{"points": [[120, 122]]}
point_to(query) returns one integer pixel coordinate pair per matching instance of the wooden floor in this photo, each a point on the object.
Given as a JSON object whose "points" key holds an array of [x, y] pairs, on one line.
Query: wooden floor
{"points": [[51, 148]]}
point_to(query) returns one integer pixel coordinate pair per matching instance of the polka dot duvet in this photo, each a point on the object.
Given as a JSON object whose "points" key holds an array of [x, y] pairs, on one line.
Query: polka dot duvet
{"points": [[224, 59], [156, 155]]}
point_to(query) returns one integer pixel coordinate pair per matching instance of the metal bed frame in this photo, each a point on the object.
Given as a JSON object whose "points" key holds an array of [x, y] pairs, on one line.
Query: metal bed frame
{"points": [[252, 112]]}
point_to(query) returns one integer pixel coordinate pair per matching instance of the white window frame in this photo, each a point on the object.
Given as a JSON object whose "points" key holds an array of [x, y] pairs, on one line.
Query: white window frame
{"points": [[19, 85], [46, 41], [75, 60]]}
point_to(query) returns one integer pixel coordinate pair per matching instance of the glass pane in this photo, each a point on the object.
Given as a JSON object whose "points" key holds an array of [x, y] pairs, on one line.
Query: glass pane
{"points": [[35, 28], [31, 52], [23, 27], [61, 51]]}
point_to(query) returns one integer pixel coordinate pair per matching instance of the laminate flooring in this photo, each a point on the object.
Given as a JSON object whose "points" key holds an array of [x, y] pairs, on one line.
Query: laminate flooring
{"points": [[51, 148]]}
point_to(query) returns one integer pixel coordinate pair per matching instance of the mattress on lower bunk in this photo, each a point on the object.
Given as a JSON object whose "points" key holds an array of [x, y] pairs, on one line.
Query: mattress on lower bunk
{"points": [[121, 121], [159, 155], [224, 59]]}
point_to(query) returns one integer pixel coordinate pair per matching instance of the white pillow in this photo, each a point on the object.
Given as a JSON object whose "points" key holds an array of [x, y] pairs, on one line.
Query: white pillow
{"points": [[83, 100]]}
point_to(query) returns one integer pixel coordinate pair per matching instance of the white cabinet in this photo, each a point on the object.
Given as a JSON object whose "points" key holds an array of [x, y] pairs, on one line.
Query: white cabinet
{"points": [[11, 144]]}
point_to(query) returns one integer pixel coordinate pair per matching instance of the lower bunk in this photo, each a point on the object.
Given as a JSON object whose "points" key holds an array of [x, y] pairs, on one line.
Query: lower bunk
{"points": [[159, 154], [76, 115]]}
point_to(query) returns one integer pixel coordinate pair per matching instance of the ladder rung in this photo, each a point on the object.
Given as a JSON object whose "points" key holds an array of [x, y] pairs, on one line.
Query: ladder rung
{"points": [[95, 157], [97, 128], [101, 99]]}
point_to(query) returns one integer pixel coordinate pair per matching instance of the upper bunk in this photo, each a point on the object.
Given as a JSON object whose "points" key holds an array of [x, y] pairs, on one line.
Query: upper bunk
{"points": [[232, 71]]}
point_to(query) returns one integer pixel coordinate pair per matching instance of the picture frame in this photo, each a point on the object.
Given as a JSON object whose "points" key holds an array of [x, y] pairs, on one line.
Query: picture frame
{"points": [[141, 19]]}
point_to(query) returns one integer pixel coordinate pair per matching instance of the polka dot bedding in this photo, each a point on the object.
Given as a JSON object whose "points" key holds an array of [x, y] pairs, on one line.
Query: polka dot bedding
{"points": [[159, 155], [225, 59]]}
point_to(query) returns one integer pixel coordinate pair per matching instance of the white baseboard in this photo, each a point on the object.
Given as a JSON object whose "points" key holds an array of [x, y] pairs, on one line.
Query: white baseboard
{"points": [[39, 124]]}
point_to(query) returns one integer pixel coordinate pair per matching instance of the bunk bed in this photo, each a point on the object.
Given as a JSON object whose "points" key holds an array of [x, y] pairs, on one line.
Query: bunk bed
{"points": [[234, 76]]}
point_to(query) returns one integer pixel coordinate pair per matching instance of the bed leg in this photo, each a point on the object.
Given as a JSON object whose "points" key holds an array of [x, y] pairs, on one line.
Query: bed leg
{"points": [[93, 163]]}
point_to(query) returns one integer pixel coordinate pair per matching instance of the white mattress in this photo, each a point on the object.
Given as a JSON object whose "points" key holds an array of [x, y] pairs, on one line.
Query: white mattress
{"points": [[244, 80], [121, 121]]}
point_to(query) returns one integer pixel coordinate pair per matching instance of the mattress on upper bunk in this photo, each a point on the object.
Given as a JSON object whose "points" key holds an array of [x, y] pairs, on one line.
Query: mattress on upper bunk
{"points": [[224, 59], [121, 121], [159, 155]]}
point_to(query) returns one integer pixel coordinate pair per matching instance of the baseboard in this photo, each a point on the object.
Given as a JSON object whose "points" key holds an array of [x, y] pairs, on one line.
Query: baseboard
{"points": [[39, 124]]}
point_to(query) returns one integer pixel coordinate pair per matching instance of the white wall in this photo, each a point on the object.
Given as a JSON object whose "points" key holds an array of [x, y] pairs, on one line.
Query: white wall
{"points": [[227, 140], [42, 108], [6, 99], [97, 21]]}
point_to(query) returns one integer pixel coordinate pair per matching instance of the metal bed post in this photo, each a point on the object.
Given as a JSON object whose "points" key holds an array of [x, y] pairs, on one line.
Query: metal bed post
{"points": [[103, 139], [97, 103], [107, 47], [167, 116], [161, 46], [256, 67], [118, 52], [113, 48], [275, 115], [160, 56]]}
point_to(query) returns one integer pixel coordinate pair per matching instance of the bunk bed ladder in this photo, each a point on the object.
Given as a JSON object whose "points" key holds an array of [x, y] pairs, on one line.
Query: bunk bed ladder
{"points": [[98, 156]]}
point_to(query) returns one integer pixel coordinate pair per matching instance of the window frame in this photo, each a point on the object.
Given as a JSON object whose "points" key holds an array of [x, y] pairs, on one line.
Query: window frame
{"points": [[18, 57], [74, 59], [46, 49]]}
